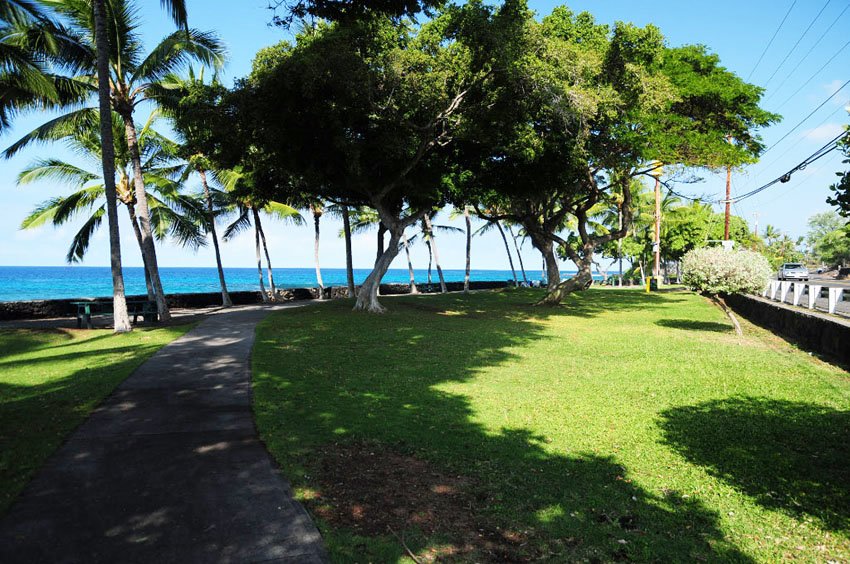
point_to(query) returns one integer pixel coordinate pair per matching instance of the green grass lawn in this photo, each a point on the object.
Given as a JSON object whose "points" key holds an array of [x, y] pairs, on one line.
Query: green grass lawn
{"points": [[619, 426], [49, 382]]}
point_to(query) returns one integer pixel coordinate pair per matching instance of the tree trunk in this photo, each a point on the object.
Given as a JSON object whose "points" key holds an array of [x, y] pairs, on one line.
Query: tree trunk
{"points": [[620, 241], [430, 228], [349, 262], [148, 247], [225, 296], [552, 272], [134, 222], [721, 303], [508, 251], [121, 319], [518, 255], [262, 233], [413, 288], [468, 249], [381, 231], [581, 281], [430, 258], [259, 261], [642, 273], [367, 297], [317, 217]]}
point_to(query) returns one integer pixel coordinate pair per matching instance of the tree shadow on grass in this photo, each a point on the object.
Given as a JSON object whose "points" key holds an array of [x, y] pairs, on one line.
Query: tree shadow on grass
{"points": [[35, 419], [19, 341], [692, 325], [790, 456], [327, 379]]}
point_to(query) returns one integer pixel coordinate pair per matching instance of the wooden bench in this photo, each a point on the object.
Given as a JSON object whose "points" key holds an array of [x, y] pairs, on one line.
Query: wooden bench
{"points": [[144, 308]]}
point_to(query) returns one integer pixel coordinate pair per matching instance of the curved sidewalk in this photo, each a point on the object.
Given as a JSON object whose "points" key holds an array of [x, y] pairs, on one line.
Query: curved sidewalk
{"points": [[168, 469]]}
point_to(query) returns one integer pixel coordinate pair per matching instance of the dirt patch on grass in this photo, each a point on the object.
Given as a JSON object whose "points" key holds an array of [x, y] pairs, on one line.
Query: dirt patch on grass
{"points": [[375, 491]]}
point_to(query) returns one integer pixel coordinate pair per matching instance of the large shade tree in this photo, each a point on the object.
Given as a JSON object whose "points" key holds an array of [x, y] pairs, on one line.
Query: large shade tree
{"points": [[362, 113], [119, 67], [584, 113]]}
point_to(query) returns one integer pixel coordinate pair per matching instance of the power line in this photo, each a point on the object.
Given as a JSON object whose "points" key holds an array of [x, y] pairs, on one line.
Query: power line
{"points": [[825, 150], [801, 122], [769, 43], [805, 32], [817, 72], [809, 52]]}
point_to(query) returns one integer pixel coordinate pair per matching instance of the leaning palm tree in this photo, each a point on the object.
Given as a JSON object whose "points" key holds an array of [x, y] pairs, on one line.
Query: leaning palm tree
{"points": [[123, 74], [173, 215], [344, 212], [428, 234], [497, 224]]}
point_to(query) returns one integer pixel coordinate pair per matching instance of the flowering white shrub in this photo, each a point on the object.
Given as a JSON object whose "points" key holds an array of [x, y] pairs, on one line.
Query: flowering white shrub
{"points": [[713, 270]]}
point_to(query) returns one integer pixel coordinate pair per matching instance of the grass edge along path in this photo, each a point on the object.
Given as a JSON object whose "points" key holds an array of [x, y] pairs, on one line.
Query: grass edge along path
{"points": [[50, 380], [619, 426]]}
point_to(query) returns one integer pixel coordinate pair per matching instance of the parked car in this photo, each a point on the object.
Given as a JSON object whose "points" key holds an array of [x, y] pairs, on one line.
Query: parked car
{"points": [[793, 271]]}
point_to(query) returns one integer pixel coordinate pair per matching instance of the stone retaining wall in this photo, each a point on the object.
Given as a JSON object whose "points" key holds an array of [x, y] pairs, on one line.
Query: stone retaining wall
{"points": [[40, 309], [816, 332]]}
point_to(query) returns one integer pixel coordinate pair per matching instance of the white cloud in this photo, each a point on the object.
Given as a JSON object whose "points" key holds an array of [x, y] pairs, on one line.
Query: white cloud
{"points": [[823, 132]]}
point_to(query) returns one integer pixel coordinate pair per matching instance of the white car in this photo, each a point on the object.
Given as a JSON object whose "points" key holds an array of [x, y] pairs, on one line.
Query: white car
{"points": [[793, 271]]}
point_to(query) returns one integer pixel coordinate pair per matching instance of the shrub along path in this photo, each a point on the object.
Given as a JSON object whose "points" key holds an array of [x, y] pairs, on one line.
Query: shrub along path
{"points": [[168, 469]]}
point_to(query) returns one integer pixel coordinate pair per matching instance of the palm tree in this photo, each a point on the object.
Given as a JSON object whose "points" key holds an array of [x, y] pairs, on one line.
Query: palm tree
{"points": [[488, 225], [169, 94], [428, 234], [124, 75], [248, 211], [173, 214], [317, 209]]}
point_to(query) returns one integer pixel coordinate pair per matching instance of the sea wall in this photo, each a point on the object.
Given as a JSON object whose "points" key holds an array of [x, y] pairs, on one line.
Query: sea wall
{"points": [[40, 309], [812, 331]]}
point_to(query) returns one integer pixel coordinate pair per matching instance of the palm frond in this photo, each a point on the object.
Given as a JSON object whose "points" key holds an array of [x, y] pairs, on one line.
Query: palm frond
{"points": [[176, 50], [58, 171], [55, 129], [242, 223], [81, 241], [284, 212]]}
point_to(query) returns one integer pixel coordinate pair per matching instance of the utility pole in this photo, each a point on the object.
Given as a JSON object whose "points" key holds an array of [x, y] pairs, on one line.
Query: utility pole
{"points": [[728, 202], [656, 245], [756, 230]]}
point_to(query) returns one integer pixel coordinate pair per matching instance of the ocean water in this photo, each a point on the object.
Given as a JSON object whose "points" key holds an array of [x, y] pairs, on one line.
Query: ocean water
{"points": [[57, 282]]}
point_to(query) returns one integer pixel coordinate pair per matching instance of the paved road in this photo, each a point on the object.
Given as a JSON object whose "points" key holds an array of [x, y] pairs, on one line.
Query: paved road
{"points": [[168, 469]]}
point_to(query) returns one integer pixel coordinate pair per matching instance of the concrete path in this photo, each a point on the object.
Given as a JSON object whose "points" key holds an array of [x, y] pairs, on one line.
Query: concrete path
{"points": [[168, 469]]}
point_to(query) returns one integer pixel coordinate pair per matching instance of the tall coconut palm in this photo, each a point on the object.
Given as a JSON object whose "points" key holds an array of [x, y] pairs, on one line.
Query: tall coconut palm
{"points": [[428, 234], [124, 74], [173, 215], [317, 209]]}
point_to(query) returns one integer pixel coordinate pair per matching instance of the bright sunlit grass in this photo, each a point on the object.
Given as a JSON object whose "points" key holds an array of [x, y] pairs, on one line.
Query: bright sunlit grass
{"points": [[619, 426]]}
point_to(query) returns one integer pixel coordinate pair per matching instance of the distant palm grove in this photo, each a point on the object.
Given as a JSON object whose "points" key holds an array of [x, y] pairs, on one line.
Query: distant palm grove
{"points": [[546, 128]]}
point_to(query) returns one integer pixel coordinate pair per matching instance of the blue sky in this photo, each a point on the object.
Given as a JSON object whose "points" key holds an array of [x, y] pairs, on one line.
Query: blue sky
{"points": [[737, 31]]}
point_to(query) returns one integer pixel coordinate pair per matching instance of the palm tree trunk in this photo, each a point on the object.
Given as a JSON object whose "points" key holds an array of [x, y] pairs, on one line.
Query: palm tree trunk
{"points": [[430, 257], [413, 288], [518, 255], [259, 261], [430, 228], [225, 296], [507, 250], [316, 220], [468, 249], [131, 211], [121, 318], [143, 213], [266, 251], [349, 262]]}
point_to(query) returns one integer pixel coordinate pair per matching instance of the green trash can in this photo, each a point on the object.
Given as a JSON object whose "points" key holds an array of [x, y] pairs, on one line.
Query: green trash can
{"points": [[653, 284]]}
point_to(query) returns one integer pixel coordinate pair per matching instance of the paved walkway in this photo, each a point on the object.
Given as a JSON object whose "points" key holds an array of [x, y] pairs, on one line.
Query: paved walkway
{"points": [[168, 469]]}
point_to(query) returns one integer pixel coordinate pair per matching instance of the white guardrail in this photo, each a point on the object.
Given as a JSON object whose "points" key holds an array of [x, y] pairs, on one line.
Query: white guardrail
{"points": [[778, 291]]}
